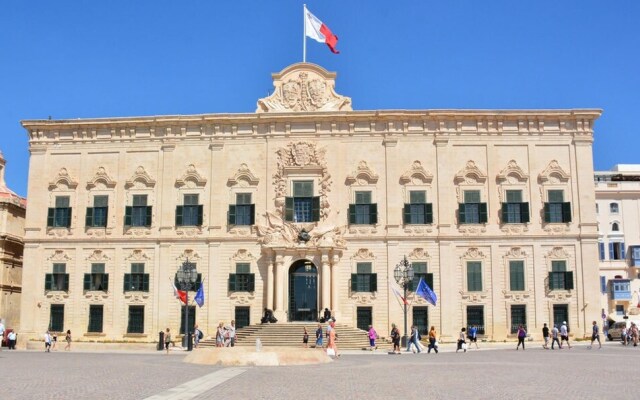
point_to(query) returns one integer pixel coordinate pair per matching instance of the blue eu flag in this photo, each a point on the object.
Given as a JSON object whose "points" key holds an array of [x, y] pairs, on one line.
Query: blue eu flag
{"points": [[199, 298], [426, 293]]}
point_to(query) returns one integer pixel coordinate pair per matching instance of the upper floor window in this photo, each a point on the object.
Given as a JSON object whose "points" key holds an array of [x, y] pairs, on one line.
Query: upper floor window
{"points": [[420, 271], [363, 211], [516, 275], [60, 215], [635, 256], [58, 280], [97, 279], [616, 251], [514, 211], [474, 276], [139, 214], [190, 213], [97, 215], [615, 227], [418, 211], [613, 208], [243, 212], [303, 206], [472, 211], [556, 210], [243, 280], [137, 280], [364, 280], [559, 277]]}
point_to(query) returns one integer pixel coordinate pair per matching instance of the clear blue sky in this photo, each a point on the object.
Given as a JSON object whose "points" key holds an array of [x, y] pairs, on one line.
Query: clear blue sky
{"points": [[81, 59]]}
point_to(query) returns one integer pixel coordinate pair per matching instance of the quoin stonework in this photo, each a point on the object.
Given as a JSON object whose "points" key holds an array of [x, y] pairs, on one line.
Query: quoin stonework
{"points": [[305, 205]]}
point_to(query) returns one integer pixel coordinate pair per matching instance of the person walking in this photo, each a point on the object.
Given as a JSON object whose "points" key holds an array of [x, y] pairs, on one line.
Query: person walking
{"points": [[305, 338], [197, 334], [319, 336], [1, 333], [564, 334], [595, 335], [634, 333], [522, 333], [220, 335], [167, 340], [395, 338], [545, 336], [554, 337], [231, 330], [413, 340], [54, 341], [473, 335], [12, 337], [432, 340], [373, 335], [462, 343], [47, 342], [67, 339], [332, 340]]}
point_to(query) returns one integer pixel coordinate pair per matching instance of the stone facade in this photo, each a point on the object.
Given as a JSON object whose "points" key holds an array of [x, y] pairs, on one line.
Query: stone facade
{"points": [[308, 192]]}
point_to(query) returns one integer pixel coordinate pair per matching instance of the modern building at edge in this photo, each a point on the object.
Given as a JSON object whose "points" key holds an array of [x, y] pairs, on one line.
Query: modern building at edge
{"points": [[493, 208]]}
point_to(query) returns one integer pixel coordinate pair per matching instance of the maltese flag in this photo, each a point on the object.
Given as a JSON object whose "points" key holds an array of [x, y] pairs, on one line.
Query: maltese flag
{"points": [[315, 29]]}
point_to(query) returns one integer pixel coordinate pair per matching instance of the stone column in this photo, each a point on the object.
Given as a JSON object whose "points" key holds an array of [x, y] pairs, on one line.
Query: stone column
{"points": [[270, 285], [335, 292], [279, 288], [325, 284]]}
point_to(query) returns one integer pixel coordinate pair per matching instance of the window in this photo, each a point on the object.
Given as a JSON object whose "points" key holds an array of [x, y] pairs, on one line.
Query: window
{"points": [[518, 317], [597, 209], [615, 227], [475, 317], [364, 280], [60, 215], [137, 280], [97, 279], [635, 256], [303, 206], [97, 215], [613, 208], [421, 319], [190, 213], [363, 212], [243, 212], [364, 318], [559, 277], [474, 276], [140, 213], [603, 284], [56, 318], [616, 251], [96, 313], [516, 275], [420, 271], [418, 211], [556, 210], [243, 280], [136, 319], [58, 280], [601, 251], [191, 317], [472, 211], [560, 315], [619, 309], [514, 211], [620, 289]]}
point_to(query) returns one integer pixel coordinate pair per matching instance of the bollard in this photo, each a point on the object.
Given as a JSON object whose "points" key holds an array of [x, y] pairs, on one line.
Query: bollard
{"points": [[258, 345], [160, 341]]}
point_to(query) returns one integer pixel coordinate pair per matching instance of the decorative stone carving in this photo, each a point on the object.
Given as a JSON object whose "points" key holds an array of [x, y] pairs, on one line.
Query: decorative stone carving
{"points": [[59, 232], [512, 173], [191, 178], [189, 254], [101, 180], [470, 174], [189, 231], [364, 297], [554, 173], [558, 253], [138, 255], [98, 255], [363, 254], [96, 296], [516, 296], [556, 229], [57, 296], [417, 174], [362, 230], [280, 233], [470, 230], [242, 298], [98, 232], [302, 156], [140, 179], [59, 255], [63, 181], [473, 253], [243, 255], [419, 254], [363, 175], [304, 87], [136, 297], [415, 230], [514, 229], [240, 231], [137, 232], [473, 297], [516, 252], [557, 295], [243, 177]]}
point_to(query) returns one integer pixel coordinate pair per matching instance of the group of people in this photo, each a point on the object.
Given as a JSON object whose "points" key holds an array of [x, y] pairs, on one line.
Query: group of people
{"points": [[630, 335], [413, 340], [226, 334], [51, 340], [560, 336], [330, 334]]}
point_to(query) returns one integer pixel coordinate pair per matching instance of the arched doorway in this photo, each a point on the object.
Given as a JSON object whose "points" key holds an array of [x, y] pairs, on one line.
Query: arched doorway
{"points": [[303, 291]]}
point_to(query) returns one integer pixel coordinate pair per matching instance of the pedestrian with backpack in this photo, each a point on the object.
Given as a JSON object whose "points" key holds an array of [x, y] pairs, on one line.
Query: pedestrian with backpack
{"points": [[197, 336], [522, 333]]}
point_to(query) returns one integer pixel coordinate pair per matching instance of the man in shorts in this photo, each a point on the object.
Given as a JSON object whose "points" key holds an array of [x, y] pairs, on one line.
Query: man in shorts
{"points": [[545, 335], [473, 335], [595, 335], [564, 334]]}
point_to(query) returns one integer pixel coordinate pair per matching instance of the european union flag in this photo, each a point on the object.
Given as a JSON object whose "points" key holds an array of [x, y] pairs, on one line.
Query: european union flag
{"points": [[199, 298], [423, 290]]}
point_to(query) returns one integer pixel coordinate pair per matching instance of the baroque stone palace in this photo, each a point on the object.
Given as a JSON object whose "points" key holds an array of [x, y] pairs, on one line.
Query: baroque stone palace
{"points": [[305, 205]]}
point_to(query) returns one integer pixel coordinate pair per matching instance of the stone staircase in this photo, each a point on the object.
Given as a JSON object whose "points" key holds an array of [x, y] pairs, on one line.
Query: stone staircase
{"points": [[290, 335]]}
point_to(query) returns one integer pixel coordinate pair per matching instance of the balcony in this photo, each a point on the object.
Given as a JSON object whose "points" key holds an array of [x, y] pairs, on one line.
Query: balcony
{"points": [[620, 289]]}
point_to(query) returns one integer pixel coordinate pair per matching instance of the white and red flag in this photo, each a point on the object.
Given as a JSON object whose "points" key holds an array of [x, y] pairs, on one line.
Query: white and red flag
{"points": [[315, 29], [179, 294]]}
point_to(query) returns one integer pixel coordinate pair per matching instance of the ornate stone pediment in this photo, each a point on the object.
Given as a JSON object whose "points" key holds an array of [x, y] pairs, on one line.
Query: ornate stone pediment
{"points": [[101, 178], [304, 87], [243, 255], [473, 254], [140, 179], [243, 177], [363, 254], [554, 174], [191, 178], [98, 255], [59, 255], [419, 254], [512, 173], [516, 252], [189, 254], [138, 255], [363, 175], [280, 233], [63, 181], [470, 174], [558, 253], [417, 174]]}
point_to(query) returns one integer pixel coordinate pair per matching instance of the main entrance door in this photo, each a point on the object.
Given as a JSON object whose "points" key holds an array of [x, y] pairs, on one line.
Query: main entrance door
{"points": [[303, 291]]}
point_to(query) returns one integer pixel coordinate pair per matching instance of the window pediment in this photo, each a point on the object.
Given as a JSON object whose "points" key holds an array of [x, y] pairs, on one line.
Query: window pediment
{"points": [[554, 173], [98, 255], [470, 174], [101, 178], [512, 173], [138, 255], [189, 254], [243, 177], [59, 255], [418, 254], [191, 178], [363, 175], [363, 254], [63, 181], [140, 179], [416, 174]]}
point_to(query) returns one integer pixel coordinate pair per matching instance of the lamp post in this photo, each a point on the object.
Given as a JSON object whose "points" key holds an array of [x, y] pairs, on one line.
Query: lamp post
{"points": [[187, 276], [403, 274]]}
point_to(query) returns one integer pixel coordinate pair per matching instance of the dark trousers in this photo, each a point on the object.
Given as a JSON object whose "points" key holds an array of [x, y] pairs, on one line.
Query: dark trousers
{"points": [[520, 340], [432, 345], [555, 340]]}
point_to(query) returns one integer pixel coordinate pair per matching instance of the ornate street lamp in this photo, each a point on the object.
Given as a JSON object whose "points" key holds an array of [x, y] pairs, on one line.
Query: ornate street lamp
{"points": [[403, 274], [187, 276]]}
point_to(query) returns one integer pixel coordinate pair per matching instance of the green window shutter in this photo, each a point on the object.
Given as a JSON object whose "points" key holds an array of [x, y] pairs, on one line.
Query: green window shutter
{"points": [[252, 214], [251, 282], [200, 214], [68, 221], [461, 213], [547, 212], [524, 212], [429, 280], [315, 208], [127, 283], [149, 210], [568, 280], [48, 281], [373, 282], [373, 213], [552, 281], [231, 216], [406, 214], [352, 213], [288, 209], [504, 213], [145, 282], [87, 282], [482, 207], [127, 215], [51, 212], [354, 282], [105, 282], [66, 283], [179, 215], [198, 281], [566, 212], [428, 213], [232, 282], [88, 221]]}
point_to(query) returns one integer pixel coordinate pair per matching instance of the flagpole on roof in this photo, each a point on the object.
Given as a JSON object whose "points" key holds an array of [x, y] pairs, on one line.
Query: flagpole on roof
{"points": [[304, 33]]}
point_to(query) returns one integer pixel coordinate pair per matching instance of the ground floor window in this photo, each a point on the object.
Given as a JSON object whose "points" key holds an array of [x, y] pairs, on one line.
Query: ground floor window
{"points": [[192, 318], [95, 318], [619, 309], [136, 319], [421, 319], [56, 318], [560, 314], [475, 317], [365, 318], [242, 317], [518, 317]]}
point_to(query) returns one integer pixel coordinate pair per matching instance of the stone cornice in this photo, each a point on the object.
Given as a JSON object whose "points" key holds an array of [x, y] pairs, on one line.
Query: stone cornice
{"points": [[571, 122]]}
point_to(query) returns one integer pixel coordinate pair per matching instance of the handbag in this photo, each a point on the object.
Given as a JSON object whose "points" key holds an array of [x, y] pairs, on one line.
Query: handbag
{"points": [[464, 346], [435, 344], [331, 352]]}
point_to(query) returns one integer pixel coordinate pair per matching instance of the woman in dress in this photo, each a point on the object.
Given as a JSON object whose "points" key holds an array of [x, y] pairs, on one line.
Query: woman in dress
{"points": [[67, 338], [395, 338], [332, 339], [220, 335]]}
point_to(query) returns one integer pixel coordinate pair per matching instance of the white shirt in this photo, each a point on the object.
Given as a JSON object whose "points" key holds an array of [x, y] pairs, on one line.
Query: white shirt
{"points": [[47, 338], [12, 336], [563, 330], [1, 329]]}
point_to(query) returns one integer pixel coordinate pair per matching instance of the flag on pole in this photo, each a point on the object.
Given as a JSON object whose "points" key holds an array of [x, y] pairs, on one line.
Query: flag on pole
{"points": [[179, 294], [423, 290], [199, 297], [315, 29], [404, 301]]}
